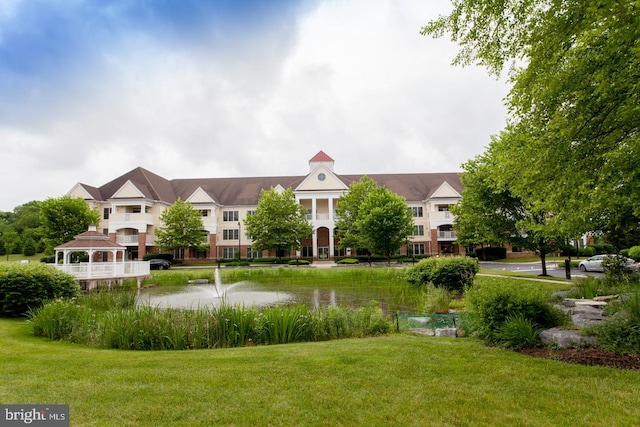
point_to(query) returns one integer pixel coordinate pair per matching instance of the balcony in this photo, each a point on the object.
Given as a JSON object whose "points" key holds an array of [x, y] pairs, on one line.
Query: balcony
{"points": [[128, 217], [132, 240], [447, 235], [320, 216], [440, 215]]}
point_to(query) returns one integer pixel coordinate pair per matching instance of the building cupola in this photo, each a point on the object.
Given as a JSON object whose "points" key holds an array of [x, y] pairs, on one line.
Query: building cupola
{"points": [[321, 159]]}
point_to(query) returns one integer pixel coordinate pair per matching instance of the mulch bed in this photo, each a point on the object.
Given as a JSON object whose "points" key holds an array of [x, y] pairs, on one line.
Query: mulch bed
{"points": [[586, 356]]}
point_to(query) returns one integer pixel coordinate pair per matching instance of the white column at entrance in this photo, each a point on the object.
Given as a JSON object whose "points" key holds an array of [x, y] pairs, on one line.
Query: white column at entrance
{"points": [[314, 239], [331, 243], [313, 209], [331, 212]]}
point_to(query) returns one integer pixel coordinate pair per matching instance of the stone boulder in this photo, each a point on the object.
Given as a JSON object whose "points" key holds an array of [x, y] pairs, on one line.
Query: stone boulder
{"points": [[563, 338]]}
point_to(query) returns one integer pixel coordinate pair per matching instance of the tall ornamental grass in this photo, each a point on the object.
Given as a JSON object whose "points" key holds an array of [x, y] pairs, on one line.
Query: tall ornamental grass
{"points": [[348, 277], [105, 321]]}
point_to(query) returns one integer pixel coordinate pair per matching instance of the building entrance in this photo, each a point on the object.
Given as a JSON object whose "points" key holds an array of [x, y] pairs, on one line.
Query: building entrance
{"points": [[323, 252]]}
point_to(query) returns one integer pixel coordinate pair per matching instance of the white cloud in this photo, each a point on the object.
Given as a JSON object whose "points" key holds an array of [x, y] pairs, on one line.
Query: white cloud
{"points": [[353, 78]]}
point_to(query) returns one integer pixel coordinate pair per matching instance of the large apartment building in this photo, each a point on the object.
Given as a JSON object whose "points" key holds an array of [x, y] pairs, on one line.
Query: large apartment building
{"points": [[131, 204]]}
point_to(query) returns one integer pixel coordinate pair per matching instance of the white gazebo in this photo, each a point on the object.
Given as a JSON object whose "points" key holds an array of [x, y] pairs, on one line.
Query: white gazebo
{"points": [[107, 261]]}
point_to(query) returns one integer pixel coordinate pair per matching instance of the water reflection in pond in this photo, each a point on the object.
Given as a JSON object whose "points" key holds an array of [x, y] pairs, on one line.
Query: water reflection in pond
{"points": [[260, 295]]}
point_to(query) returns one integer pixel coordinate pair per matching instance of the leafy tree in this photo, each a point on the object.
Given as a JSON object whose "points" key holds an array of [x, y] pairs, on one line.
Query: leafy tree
{"points": [[348, 213], [384, 222], [574, 119], [65, 217], [10, 240], [182, 228], [27, 222], [279, 223], [490, 213]]}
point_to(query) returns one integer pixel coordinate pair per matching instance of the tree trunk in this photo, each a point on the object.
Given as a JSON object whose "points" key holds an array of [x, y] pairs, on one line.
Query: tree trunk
{"points": [[543, 256]]}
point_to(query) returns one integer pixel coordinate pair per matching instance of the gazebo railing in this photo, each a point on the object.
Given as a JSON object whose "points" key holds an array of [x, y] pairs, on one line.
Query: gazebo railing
{"points": [[95, 270]]}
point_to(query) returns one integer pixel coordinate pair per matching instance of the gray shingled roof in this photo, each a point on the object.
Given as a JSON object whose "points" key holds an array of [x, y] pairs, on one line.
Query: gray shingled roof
{"points": [[246, 191]]}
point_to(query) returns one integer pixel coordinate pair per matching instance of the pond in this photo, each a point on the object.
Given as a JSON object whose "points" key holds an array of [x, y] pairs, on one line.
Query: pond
{"points": [[391, 299]]}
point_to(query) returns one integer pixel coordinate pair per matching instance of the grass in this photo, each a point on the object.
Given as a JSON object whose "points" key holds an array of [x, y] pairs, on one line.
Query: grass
{"points": [[398, 379], [20, 257]]}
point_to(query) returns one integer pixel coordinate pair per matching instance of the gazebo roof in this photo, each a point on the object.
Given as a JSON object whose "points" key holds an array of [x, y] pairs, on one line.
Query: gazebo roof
{"points": [[90, 240]]}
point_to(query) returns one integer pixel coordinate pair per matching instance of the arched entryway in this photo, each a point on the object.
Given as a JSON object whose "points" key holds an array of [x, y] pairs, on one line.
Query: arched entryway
{"points": [[324, 243]]}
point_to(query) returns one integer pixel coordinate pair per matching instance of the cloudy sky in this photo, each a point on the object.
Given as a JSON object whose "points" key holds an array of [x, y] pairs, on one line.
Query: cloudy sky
{"points": [[90, 89]]}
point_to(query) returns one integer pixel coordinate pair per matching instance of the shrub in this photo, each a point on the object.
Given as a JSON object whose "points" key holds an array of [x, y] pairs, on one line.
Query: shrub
{"points": [[451, 273], [50, 259], [621, 333], [28, 286], [616, 270], [348, 261], [299, 262], [634, 253], [495, 304], [588, 251], [518, 332], [603, 248]]}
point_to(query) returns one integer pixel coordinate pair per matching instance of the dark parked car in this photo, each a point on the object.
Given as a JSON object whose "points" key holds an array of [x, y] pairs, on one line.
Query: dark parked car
{"points": [[159, 264]]}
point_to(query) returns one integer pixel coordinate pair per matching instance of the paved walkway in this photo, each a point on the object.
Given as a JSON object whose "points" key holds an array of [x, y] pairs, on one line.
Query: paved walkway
{"points": [[323, 264]]}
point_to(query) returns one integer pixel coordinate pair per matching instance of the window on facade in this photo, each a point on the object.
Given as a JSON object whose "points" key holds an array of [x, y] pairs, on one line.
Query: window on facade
{"points": [[249, 213], [229, 252], [251, 253], [105, 213], [443, 208], [204, 212], [307, 252], [105, 231], [338, 252], [230, 234], [418, 230], [201, 253], [516, 249], [136, 209], [416, 211], [446, 248], [230, 216], [417, 249]]}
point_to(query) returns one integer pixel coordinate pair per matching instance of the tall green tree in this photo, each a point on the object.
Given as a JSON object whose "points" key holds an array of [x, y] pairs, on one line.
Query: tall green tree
{"points": [[348, 213], [574, 67], [490, 213], [10, 240], [384, 222], [278, 223], [182, 228], [65, 217], [27, 222]]}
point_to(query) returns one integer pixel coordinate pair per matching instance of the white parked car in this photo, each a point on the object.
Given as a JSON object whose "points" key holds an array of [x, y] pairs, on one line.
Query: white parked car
{"points": [[595, 263]]}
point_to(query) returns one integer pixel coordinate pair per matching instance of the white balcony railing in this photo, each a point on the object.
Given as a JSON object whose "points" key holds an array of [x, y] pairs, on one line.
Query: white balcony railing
{"points": [[447, 235], [101, 270], [132, 239]]}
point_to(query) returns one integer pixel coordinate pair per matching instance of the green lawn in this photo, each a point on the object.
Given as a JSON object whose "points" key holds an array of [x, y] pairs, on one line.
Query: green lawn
{"points": [[20, 257], [398, 380]]}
